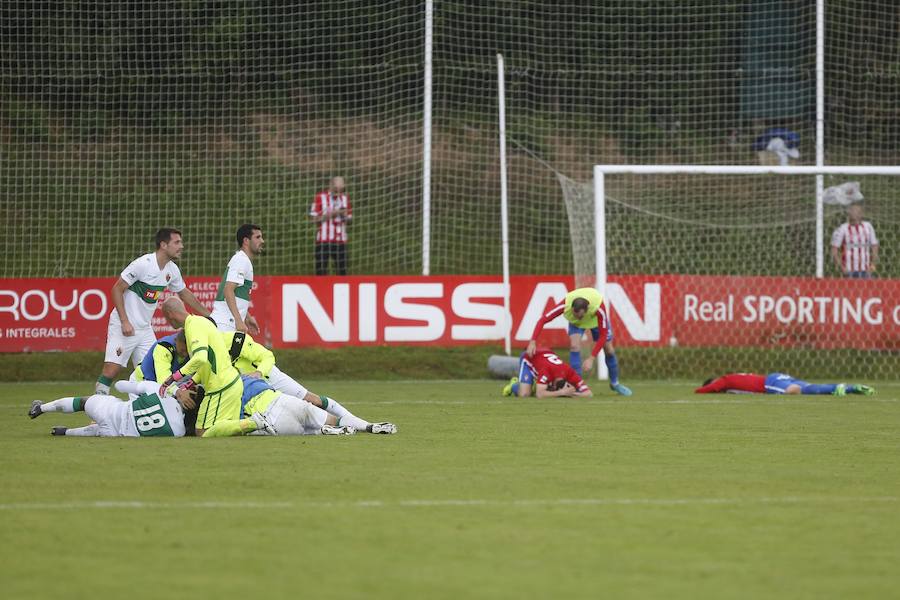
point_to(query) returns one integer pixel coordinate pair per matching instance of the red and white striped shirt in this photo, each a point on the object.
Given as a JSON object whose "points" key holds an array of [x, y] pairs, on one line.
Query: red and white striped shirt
{"points": [[332, 230], [856, 242]]}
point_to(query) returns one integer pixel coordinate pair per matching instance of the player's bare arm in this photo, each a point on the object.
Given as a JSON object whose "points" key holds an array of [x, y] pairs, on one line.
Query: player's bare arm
{"points": [[542, 390], [252, 325], [188, 297], [231, 301], [836, 257], [118, 296]]}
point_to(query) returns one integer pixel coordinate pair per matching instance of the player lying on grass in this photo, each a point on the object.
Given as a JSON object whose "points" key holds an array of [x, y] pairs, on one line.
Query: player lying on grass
{"points": [[553, 376], [147, 415], [583, 308], [275, 413], [255, 360], [250, 359], [778, 383]]}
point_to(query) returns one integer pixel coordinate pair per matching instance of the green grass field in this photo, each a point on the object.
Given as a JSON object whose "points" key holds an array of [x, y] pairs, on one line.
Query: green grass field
{"points": [[662, 495]]}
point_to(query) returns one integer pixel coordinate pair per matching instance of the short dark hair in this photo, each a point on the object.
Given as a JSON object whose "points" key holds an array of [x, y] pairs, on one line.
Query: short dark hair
{"points": [[556, 384], [245, 231], [580, 304], [165, 235], [708, 381]]}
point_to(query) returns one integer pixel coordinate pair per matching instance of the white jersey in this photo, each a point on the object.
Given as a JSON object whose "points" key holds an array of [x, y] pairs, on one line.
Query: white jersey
{"points": [[856, 242], [239, 271], [146, 282], [146, 416]]}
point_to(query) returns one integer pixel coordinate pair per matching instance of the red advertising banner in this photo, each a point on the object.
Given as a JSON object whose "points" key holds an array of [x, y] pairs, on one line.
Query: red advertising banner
{"points": [[663, 310]]}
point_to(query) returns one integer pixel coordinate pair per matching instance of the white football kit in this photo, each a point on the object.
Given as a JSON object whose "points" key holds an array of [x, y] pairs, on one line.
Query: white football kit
{"points": [[147, 415], [239, 271]]}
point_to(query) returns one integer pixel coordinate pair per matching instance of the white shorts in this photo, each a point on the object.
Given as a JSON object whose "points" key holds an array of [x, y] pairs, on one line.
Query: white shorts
{"points": [[292, 416], [119, 348], [224, 323], [286, 384], [112, 415]]}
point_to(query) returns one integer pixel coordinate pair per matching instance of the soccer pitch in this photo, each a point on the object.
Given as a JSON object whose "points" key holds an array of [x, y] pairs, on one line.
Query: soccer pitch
{"points": [[665, 494]]}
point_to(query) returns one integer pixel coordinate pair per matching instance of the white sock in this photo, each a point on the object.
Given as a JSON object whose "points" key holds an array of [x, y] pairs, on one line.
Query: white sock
{"points": [[353, 421], [101, 388], [64, 405], [333, 407], [92, 430]]}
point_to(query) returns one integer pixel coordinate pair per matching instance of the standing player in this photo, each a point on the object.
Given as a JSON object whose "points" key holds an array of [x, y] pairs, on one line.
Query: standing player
{"points": [[135, 295], [210, 365], [331, 212], [232, 312], [553, 376], [583, 309], [149, 414], [777, 383], [231, 309], [854, 246]]}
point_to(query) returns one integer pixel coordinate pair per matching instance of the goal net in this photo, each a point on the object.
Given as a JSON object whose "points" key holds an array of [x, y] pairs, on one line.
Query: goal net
{"points": [[734, 258], [119, 118]]}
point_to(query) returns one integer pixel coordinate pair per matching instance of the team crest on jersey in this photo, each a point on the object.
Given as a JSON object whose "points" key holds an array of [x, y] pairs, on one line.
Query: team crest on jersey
{"points": [[168, 277], [119, 351]]}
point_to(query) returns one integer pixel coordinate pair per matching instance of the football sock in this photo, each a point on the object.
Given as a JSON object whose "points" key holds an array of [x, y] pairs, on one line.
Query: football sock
{"points": [[333, 407], [64, 405], [575, 360], [354, 422], [612, 365], [92, 430], [102, 385], [818, 388], [515, 389]]}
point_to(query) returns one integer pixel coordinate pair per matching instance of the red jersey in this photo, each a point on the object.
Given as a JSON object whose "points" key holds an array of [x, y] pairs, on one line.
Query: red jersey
{"points": [[748, 383], [547, 367], [602, 325], [334, 229]]}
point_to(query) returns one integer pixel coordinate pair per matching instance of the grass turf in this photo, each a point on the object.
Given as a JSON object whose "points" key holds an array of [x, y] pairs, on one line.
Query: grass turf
{"points": [[664, 494]]}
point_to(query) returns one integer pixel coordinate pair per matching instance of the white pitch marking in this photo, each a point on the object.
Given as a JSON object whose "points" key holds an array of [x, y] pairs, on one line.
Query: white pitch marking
{"points": [[438, 503]]}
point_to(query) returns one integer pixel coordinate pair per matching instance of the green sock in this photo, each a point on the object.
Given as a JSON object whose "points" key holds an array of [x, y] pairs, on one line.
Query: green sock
{"points": [[102, 385]]}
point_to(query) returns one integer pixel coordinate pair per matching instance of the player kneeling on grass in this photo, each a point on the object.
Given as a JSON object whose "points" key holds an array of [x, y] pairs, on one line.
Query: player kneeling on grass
{"points": [[166, 356], [584, 309], [254, 360], [274, 413], [778, 383], [553, 376], [147, 415]]}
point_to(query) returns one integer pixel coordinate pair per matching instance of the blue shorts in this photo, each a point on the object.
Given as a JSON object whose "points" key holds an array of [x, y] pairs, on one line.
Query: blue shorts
{"points": [[525, 374], [778, 383], [595, 332]]}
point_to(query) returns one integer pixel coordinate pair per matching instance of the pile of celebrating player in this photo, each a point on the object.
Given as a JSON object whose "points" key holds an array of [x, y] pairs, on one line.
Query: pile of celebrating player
{"points": [[210, 378]]}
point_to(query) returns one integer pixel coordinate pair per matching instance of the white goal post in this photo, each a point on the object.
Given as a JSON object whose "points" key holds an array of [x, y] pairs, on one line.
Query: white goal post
{"points": [[601, 171]]}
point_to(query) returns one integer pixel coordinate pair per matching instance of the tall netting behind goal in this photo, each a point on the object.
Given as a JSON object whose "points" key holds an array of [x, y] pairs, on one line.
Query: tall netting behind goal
{"points": [[117, 118], [735, 257]]}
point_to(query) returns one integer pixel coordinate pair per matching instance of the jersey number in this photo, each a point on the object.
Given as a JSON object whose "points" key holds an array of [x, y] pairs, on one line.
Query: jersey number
{"points": [[553, 359], [149, 418]]}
